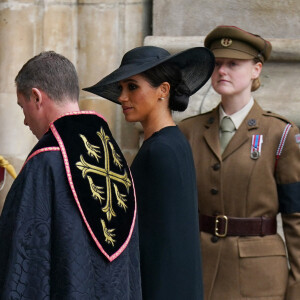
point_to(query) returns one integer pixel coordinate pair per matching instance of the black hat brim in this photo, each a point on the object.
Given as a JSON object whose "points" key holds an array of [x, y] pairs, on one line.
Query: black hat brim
{"points": [[196, 64]]}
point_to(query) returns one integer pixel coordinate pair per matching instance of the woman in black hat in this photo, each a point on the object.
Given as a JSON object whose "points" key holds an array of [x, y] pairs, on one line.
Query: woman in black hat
{"points": [[248, 169], [149, 84]]}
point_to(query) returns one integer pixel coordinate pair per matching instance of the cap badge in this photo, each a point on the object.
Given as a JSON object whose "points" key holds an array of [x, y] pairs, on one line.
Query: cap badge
{"points": [[226, 42]]}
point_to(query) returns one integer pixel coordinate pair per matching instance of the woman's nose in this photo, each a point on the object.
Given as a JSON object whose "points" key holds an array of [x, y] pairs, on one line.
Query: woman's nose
{"points": [[221, 69], [123, 96]]}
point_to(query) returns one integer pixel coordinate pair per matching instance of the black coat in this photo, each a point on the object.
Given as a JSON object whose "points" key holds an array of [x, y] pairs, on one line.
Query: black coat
{"points": [[165, 183]]}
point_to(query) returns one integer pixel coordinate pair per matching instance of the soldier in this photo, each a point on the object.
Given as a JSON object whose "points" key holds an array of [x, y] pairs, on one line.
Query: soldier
{"points": [[67, 229], [248, 170]]}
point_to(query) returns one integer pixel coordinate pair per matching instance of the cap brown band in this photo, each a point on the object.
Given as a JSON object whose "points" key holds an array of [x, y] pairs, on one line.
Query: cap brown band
{"points": [[230, 48]]}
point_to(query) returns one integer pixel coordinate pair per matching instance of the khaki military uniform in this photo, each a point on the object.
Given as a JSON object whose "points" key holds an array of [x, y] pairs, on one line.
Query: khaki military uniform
{"points": [[237, 185]]}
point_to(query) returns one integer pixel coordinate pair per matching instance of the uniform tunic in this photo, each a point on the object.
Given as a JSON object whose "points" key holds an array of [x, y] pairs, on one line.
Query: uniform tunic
{"points": [[46, 250], [165, 182], [236, 185]]}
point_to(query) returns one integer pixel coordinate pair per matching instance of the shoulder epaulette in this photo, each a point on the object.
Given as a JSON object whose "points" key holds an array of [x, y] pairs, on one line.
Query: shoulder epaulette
{"points": [[274, 115]]}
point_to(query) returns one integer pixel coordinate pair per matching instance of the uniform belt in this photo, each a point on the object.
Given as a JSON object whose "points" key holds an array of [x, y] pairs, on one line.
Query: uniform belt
{"points": [[223, 226]]}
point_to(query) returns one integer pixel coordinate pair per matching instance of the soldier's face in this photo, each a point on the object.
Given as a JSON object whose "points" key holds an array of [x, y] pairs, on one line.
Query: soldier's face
{"points": [[233, 77]]}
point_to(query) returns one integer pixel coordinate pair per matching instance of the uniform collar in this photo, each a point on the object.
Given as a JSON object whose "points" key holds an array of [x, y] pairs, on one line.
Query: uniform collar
{"points": [[238, 117]]}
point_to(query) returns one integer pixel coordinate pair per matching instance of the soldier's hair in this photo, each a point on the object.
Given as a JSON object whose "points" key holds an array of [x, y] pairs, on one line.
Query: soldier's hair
{"points": [[52, 73], [256, 82]]}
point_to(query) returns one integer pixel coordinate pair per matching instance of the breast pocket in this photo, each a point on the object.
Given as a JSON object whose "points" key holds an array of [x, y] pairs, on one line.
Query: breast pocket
{"points": [[263, 266]]}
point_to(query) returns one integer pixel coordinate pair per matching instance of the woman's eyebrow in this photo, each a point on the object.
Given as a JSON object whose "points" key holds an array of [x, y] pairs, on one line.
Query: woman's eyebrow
{"points": [[128, 79]]}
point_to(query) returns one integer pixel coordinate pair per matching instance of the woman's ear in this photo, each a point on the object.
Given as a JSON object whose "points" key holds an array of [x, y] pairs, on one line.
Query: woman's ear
{"points": [[257, 67], [164, 90]]}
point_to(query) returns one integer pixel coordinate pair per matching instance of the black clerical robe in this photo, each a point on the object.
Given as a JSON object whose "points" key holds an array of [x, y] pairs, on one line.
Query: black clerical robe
{"points": [[54, 246]]}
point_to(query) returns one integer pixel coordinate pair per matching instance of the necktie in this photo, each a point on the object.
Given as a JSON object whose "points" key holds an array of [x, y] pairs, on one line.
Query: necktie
{"points": [[227, 130]]}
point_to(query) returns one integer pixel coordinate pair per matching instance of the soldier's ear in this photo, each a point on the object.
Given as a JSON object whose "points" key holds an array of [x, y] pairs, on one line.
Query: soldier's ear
{"points": [[256, 70]]}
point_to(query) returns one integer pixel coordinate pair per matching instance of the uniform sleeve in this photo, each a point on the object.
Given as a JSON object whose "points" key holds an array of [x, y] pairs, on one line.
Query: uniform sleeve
{"points": [[288, 183], [25, 227]]}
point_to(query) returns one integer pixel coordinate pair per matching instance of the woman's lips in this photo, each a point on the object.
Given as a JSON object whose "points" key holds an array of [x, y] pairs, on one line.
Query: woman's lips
{"points": [[126, 108], [223, 81]]}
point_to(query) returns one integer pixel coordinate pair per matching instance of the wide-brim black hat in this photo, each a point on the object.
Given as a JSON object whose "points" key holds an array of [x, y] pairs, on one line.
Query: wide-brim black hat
{"points": [[196, 65]]}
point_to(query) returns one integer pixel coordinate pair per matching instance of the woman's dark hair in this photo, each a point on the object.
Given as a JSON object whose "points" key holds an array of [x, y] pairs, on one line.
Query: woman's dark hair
{"points": [[171, 73]]}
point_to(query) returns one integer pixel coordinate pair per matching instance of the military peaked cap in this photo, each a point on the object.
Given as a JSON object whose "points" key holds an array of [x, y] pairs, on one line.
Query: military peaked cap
{"points": [[233, 42]]}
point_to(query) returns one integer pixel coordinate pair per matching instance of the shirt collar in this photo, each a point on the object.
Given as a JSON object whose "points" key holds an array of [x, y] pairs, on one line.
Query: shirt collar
{"points": [[238, 117]]}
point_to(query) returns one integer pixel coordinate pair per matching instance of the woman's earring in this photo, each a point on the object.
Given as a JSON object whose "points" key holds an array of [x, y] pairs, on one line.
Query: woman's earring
{"points": [[161, 98]]}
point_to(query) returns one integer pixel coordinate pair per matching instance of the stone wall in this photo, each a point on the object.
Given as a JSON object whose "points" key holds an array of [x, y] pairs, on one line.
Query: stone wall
{"points": [[178, 25], [269, 18], [93, 34]]}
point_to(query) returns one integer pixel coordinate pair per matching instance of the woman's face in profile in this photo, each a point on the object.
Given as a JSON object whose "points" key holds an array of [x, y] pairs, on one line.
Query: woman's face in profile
{"points": [[138, 98]]}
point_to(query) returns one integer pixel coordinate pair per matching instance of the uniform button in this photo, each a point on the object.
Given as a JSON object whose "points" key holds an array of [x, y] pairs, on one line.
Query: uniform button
{"points": [[252, 122], [216, 166], [214, 239], [211, 120], [214, 191]]}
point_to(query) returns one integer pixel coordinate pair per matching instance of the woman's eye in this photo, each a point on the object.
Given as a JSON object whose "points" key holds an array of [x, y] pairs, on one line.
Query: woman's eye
{"points": [[132, 86], [119, 88]]}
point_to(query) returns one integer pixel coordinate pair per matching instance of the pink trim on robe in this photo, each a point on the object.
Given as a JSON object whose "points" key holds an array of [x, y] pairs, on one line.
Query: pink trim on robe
{"points": [[69, 176]]}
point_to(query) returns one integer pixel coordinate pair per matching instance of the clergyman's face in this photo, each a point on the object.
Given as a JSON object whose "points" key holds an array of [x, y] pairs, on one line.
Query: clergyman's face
{"points": [[33, 117]]}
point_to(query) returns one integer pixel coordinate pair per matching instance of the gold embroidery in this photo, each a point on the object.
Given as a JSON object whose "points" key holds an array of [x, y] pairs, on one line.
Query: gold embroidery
{"points": [[121, 198], [110, 176], [116, 156], [96, 190], [91, 149], [108, 233]]}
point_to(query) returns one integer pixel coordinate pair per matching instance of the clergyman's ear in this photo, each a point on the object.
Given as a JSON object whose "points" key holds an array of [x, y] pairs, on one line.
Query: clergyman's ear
{"points": [[36, 96]]}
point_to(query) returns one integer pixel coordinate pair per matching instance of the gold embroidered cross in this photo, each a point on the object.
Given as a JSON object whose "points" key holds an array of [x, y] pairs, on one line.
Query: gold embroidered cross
{"points": [[110, 176]]}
